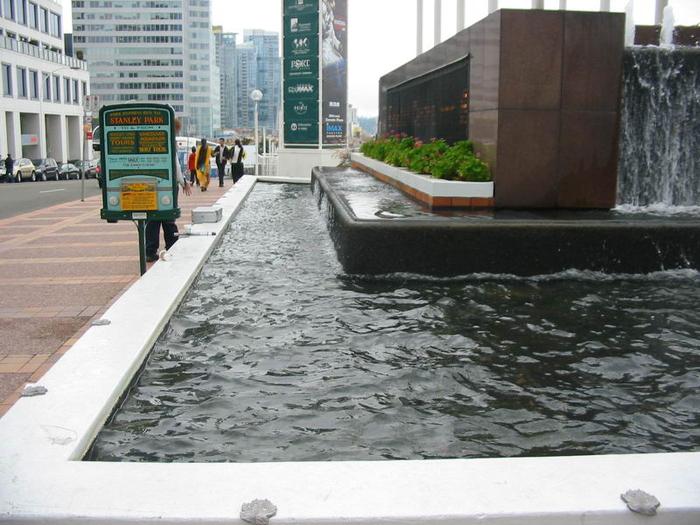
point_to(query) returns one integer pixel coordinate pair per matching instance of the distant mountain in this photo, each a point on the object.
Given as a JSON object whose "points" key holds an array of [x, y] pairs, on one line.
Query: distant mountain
{"points": [[369, 124]]}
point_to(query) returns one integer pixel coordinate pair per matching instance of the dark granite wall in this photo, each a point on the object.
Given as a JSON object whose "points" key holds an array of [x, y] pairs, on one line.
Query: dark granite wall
{"points": [[544, 103]]}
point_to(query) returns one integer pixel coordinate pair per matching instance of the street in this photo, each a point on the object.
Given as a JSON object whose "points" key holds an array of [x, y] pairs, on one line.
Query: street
{"points": [[29, 196]]}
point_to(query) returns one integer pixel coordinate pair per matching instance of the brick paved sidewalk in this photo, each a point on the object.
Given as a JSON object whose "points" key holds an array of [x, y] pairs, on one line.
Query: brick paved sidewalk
{"points": [[60, 268]]}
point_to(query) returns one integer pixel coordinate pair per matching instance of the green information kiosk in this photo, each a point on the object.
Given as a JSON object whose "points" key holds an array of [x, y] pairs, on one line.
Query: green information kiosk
{"points": [[138, 156]]}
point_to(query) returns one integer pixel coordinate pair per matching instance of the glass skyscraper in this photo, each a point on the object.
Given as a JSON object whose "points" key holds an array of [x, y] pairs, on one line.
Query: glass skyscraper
{"points": [[268, 75], [226, 60], [151, 50]]}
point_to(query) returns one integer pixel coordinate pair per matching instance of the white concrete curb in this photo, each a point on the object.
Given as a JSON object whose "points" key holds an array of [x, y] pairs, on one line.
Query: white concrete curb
{"points": [[427, 184], [43, 481]]}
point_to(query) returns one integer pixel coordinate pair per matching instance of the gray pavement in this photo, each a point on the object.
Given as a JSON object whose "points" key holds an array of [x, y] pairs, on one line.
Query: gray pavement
{"points": [[30, 196]]}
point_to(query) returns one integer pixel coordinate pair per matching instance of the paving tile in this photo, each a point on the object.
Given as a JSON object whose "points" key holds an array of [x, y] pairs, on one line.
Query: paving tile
{"points": [[20, 360], [11, 382], [33, 364]]}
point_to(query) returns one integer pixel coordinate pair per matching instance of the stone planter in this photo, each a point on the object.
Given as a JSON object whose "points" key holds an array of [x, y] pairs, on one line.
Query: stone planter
{"points": [[435, 193]]}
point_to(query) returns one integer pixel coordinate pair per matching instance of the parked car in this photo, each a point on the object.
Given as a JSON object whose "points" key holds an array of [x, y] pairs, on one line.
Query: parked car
{"points": [[46, 169], [68, 171], [90, 167], [24, 170]]}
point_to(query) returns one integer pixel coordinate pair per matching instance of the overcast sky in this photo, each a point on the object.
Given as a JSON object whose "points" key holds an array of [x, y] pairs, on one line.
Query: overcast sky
{"points": [[382, 33]]}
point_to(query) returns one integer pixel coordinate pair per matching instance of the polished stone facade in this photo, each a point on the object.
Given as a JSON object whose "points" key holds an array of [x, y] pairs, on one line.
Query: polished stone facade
{"points": [[544, 106]]}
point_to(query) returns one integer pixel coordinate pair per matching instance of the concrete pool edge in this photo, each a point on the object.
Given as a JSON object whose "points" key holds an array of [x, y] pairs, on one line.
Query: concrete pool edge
{"points": [[526, 247], [40, 483]]}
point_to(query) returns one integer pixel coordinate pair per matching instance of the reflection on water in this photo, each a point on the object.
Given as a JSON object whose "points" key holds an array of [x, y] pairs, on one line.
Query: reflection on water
{"points": [[277, 356], [371, 199]]}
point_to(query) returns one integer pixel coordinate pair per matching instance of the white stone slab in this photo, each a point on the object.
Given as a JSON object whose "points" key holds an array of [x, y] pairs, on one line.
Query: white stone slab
{"points": [[425, 183]]}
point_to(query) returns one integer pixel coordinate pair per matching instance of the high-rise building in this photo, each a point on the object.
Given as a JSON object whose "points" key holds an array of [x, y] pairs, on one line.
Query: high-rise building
{"points": [[150, 50], [226, 60], [268, 74], [215, 86], [41, 102], [246, 81]]}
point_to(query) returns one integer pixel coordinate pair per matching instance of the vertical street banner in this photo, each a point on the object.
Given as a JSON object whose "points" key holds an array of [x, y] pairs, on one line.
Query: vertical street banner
{"points": [[301, 72], [334, 55]]}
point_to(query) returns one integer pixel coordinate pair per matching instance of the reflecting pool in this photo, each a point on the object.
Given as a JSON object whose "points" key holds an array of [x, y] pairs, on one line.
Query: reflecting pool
{"points": [[276, 355]]}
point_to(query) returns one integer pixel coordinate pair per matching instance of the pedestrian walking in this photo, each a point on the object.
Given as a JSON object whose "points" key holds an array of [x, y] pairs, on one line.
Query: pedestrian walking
{"points": [[203, 164], [169, 227], [9, 168], [237, 157], [192, 167], [221, 154]]}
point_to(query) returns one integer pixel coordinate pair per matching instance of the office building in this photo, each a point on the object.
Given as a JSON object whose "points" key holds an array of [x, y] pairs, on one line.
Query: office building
{"points": [[150, 50], [246, 81], [226, 60], [268, 74], [41, 103]]}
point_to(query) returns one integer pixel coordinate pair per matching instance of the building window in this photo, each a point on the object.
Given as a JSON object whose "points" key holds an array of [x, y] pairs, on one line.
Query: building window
{"points": [[21, 82], [56, 88], [33, 15], [8, 9], [66, 90], [43, 20], [55, 25], [47, 87], [33, 84], [76, 97], [22, 12], [83, 86], [7, 80]]}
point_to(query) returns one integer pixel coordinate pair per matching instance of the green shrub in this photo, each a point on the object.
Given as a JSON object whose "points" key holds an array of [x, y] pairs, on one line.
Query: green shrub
{"points": [[436, 158]]}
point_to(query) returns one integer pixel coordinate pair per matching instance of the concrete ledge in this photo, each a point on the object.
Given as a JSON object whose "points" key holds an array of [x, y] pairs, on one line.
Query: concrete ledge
{"points": [[286, 180], [435, 193]]}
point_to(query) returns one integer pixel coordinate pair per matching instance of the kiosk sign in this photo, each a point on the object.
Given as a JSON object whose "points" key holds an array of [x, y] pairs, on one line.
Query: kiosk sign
{"points": [[138, 162]]}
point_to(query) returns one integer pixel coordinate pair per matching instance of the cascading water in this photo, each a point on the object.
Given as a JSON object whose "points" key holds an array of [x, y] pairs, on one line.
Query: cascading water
{"points": [[660, 128]]}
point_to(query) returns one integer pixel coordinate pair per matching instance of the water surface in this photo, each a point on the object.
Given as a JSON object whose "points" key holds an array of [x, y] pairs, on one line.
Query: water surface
{"points": [[275, 355]]}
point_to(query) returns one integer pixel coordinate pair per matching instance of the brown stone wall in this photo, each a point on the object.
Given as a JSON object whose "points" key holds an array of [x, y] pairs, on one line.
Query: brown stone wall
{"points": [[545, 91]]}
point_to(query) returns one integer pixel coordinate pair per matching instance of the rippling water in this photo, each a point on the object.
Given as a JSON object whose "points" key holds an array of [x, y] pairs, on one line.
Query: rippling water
{"points": [[276, 356]]}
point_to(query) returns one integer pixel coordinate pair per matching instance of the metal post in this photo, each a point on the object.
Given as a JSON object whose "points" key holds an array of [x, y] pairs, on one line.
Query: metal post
{"points": [[85, 155], [419, 28], [438, 22], [256, 139], [141, 225], [562, 4], [493, 6], [605, 6], [460, 15], [538, 4], [659, 17]]}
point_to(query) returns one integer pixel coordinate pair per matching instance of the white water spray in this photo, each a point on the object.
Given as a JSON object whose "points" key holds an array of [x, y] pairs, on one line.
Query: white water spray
{"points": [[666, 38], [629, 24]]}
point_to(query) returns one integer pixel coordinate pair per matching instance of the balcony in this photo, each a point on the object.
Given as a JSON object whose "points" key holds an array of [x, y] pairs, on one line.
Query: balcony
{"points": [[44, 54]]}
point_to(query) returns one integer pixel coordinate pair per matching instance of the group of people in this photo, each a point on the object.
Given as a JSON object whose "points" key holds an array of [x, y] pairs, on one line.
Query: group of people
{"points": [[199, 162]]}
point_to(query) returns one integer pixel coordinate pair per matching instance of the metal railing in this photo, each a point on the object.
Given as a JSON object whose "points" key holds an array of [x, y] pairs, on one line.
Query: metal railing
{"points": [[269, 165], [26, 48]]}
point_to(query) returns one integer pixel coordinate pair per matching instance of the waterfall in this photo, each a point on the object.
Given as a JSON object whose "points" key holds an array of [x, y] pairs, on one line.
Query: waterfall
{"points": [[660, 127]]}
